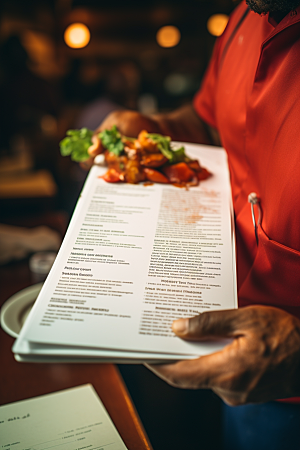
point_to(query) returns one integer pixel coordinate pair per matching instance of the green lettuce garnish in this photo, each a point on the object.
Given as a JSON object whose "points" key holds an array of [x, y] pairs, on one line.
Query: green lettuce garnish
{"points": [[112, 140], [76, 144], [164, 145]]}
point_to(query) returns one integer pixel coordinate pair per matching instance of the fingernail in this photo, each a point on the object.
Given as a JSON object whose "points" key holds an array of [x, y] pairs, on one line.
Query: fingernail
{"points": [[180, 326]]}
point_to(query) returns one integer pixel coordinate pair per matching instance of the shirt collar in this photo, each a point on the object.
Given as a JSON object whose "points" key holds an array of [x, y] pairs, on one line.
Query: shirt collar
{"points": [[275, 18]]}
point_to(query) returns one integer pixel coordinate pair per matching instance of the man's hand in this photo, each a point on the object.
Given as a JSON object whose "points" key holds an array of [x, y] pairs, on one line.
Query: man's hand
{"points": [[261, 364]]}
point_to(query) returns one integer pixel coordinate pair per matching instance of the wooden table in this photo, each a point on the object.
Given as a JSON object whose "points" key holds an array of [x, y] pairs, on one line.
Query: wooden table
{"points": [[20, 381]]}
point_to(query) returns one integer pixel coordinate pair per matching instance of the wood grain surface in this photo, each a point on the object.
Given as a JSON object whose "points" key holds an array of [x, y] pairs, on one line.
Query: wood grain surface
{"points": [[20, 381]]}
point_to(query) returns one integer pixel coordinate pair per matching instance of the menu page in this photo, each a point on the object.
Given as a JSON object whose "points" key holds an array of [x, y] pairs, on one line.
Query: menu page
{"points": [[135, 258], [65, 420]]}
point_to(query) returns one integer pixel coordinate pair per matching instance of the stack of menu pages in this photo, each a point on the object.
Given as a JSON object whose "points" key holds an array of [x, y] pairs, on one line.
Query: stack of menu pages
{"points": [[135, 258]]}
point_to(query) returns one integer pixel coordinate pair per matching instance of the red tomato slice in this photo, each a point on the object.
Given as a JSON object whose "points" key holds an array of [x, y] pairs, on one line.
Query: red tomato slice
{"points": [[179, 172], [112, 176], [203, 175]]}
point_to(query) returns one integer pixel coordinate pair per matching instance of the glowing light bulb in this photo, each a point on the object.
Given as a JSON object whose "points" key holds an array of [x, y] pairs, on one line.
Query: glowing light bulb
{"points": [[168, 36], [216, 24], [77, 35]]}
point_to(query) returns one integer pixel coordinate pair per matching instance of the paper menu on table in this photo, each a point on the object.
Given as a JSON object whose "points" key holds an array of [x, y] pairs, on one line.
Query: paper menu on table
{"points": [[66, 420], [134, 259]]}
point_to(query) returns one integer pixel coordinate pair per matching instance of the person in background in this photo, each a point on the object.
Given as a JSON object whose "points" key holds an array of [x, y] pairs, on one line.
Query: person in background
{"points": [[25, 97], [249, 102]]}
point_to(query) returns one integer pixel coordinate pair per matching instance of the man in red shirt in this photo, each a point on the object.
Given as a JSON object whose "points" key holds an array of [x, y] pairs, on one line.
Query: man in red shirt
{"points": [[249, 102]]}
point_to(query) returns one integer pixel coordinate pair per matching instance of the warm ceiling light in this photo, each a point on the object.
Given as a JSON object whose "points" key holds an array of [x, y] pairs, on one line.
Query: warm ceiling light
{"points": [[168, 36], [216, 24], [77, 35]]}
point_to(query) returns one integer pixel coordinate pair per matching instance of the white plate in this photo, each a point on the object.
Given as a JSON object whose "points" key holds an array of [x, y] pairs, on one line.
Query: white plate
{"points": [[16, 309]]}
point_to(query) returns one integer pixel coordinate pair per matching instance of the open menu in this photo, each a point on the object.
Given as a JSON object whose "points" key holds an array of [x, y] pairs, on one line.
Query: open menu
{"points": [[67, 420], [135, 258]]}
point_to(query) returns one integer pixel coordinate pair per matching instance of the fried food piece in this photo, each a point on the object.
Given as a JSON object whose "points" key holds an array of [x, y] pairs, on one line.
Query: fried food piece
{"points": [[146, 143], [153, 160], [155, 176], [115, 162], [134, 172]]}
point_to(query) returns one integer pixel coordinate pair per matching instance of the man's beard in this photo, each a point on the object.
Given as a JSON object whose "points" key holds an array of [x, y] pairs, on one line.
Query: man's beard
{"points": [[272, 6]]}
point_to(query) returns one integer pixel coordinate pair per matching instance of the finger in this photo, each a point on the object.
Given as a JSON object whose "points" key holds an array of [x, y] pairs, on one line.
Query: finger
{"points": [[231, 398], [203, 373], [200, 373], [86, 165], [211, 324]]}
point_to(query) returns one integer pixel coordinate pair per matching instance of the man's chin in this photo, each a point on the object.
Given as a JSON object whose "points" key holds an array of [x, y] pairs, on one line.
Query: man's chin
{"points": [[257, 6], [272, 6]]}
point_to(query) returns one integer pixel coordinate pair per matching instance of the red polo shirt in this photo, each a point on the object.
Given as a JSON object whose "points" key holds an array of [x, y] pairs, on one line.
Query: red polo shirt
{"points": [[251, 95]]}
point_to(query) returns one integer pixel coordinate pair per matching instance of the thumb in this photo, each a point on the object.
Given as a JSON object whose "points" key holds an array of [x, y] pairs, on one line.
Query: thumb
{"points": [[211, 324]]}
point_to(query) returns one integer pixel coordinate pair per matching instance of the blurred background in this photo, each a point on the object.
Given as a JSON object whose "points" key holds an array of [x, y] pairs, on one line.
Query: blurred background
{"points": [[67, 64]]}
